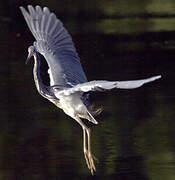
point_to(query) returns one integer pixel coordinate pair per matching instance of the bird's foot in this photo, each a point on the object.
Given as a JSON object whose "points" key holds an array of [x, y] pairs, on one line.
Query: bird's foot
{"points": [[90, 158]]}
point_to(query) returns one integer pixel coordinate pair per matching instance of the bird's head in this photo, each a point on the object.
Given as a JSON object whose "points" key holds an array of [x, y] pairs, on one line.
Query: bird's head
{"points": [[31, 52]]}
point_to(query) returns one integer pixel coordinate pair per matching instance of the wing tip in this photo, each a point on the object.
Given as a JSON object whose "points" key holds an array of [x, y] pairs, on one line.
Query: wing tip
{"points": [[22, 9], [46, 10], [29, 6], [160, 76], [154, 78]]}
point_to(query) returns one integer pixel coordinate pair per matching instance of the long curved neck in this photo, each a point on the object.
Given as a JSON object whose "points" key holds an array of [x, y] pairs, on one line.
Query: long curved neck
{"points": [[36, 74]]}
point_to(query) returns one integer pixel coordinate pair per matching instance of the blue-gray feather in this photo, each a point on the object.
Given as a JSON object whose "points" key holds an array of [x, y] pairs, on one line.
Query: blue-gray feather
{"points": [[55, 44]]}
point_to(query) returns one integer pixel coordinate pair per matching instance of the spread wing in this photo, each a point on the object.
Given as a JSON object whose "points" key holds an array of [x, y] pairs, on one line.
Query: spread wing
{"points": [[55, 44], [105, 85]]}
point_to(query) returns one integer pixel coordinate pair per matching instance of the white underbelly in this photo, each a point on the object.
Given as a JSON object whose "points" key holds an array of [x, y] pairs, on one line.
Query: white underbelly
{"points": [[72, 105]]}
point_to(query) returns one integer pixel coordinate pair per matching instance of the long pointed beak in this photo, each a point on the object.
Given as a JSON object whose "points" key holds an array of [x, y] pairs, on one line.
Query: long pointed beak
{"points": [[28, 57]]}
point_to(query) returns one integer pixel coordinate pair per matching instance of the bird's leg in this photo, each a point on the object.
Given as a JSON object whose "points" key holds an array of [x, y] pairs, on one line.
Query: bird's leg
{"points": [[85, 148], [89, 157]]}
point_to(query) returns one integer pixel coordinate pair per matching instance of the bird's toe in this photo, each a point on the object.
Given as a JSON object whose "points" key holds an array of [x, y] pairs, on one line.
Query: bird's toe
{"points": [[90, 161]]}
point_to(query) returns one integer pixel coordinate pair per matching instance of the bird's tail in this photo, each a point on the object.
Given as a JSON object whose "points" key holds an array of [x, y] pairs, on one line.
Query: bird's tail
{"points": [[95, 111], [91, 118]]}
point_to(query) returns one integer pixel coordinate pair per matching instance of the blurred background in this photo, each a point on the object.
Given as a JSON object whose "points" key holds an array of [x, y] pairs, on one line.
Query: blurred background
{"points": [[116, 40]]}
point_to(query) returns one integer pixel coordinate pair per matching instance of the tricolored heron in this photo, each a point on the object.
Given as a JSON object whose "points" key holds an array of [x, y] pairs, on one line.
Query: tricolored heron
{"points": [[69, 88]]}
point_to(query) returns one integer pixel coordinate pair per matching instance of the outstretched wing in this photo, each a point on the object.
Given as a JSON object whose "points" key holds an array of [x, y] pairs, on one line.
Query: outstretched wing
{"points": [[55, 44], [105, 85]]}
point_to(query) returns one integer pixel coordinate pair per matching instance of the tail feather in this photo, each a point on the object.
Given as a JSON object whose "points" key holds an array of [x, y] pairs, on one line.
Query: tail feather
{"points": [[91, 118], [95, 111]]}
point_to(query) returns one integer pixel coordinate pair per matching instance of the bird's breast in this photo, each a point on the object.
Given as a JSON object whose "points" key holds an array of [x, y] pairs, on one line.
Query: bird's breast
{"points": [[72, 105]]}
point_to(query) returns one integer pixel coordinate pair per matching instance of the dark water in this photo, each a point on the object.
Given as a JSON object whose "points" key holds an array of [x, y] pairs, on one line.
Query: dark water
{"points": [[116, 41]]}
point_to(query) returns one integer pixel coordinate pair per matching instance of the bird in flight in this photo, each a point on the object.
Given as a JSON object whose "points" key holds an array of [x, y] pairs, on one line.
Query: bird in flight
{"points": [[69, 88]]}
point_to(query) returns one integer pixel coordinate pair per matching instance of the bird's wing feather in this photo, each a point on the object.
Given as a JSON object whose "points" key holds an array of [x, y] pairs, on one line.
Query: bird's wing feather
{"points": [[55, 44], [105, 85]]}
